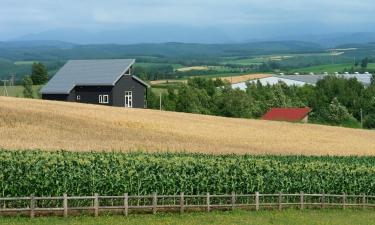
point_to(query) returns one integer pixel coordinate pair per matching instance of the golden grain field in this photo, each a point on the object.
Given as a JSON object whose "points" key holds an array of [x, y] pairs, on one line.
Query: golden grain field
{"points": [[243, 78], [30, 124]]}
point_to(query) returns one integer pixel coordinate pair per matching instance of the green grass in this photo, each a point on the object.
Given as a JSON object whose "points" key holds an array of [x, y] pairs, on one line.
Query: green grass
{"points": [[266, 58], [218, 75], [159, 90], [331, 68], [16, 91], [287, 217], [175, 66]]}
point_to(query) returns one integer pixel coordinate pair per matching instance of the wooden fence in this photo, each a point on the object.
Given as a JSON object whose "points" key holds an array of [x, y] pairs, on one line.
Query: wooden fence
{"points": [[66, 205]]}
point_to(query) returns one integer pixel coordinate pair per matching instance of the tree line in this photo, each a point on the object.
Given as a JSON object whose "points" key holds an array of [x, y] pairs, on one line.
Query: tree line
{"points": [[333, 100]]}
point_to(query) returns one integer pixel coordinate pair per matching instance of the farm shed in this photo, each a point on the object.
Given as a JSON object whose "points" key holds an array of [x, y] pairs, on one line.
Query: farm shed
{"points": [[269, 81], [104, 82], [288, 114], [300, 80]]}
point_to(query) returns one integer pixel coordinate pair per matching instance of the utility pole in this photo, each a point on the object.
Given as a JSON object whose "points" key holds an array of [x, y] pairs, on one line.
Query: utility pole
{"points": [[361, 118], [12, 78], [5, 91]]}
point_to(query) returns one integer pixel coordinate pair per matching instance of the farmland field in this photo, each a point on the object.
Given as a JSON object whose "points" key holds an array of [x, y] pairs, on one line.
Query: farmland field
{"points": [[265, 58], [192, 68], [17, 91], [175, 66], [31, 124], [242, 78], [137, 173], [290, 217], [231, 79]]}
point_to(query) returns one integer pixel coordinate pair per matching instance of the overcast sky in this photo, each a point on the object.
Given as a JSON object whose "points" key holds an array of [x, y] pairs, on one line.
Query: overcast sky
{"points": [[20, 17]]}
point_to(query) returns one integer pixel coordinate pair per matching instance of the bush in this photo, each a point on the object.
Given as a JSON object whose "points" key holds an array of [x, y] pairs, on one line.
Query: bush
{"points": [[27, 84]]}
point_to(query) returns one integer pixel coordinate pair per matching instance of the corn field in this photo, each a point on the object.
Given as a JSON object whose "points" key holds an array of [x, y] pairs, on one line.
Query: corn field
{"points": [[41, 173]]}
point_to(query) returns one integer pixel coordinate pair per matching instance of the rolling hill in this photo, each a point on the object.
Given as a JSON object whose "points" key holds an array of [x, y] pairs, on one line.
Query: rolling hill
{"points": [[37, 124]]}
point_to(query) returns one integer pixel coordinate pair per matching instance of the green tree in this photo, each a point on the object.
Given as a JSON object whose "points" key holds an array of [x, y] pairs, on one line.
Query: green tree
{"points": [[337, 114], [39, 74], [364, 63], [373, 79], [235, 103], [152, 99], [369, 121], [27, 84]]}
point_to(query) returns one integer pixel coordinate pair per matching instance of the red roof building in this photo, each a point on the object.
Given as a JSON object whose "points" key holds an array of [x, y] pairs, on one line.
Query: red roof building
{"points": [[288, 114]]}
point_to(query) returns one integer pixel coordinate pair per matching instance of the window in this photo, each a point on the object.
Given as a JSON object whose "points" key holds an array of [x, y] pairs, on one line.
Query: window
{"points": [[128, 99], [78, 97], [103, 99]]}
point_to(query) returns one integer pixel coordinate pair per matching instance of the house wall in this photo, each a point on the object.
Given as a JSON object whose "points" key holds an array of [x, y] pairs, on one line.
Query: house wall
{"points": [[116, 94], [127, 83], [55, 97], [90, 94]]}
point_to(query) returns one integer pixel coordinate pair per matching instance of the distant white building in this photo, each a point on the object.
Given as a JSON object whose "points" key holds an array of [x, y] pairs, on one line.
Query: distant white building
{"points": [[268, 80], [300, 80]]}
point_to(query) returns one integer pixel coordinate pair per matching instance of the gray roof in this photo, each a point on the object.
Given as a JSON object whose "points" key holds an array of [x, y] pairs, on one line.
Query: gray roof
{"points": [[309, 79], [88, 72]]}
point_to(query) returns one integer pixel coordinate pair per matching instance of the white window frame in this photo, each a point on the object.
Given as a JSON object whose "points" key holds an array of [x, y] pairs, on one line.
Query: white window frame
{"points": [[129, 98], [103, 99]]}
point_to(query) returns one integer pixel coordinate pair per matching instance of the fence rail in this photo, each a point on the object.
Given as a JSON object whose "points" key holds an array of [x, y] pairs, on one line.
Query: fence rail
{"points": [[68, 204]]}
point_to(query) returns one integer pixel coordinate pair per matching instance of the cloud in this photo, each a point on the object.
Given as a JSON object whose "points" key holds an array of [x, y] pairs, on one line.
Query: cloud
{"points": [[23, 16]]}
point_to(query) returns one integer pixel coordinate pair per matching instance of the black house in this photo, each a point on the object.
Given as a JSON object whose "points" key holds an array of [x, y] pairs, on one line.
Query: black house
{"points": [[104, 82]]}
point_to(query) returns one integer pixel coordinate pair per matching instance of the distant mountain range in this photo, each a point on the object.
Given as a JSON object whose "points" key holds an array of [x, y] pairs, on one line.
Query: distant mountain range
{"points": [[58, 50], [186, 34], [133, 35], [334, 39]]}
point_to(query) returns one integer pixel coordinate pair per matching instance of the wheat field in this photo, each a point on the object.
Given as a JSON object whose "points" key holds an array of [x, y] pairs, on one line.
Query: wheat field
{"points": [[49, 125], [244, 78]]}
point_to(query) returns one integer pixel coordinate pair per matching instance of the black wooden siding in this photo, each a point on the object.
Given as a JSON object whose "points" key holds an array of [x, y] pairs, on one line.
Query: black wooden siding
{"points": [[127, 83], [116, 94]]}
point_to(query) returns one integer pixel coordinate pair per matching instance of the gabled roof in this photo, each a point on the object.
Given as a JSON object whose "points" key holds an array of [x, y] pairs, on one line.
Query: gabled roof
{"points": [[308, 79], [87, 72], [287, 114]]}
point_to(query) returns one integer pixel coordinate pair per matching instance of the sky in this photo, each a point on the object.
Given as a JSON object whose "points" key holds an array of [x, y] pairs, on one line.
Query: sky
{"points": [[235, 18]]}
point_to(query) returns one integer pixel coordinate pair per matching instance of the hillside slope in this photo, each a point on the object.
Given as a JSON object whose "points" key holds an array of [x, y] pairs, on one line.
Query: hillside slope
{"points": [[29, 124]]}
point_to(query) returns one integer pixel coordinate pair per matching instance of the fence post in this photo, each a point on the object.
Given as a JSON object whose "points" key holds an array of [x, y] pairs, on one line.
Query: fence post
{"points": [[154, 202], [257, 201], [364, 201], [65, 203], [208, 201], [96, 204], [344, 200], [233, 200], [322, 201], [280, 200], [32, 206], [182, 202], [302, 200], [126, 204]]}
